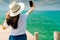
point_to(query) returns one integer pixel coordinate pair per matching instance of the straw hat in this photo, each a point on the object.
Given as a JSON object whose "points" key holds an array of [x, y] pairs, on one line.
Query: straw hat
{"points": [[16, 8]]}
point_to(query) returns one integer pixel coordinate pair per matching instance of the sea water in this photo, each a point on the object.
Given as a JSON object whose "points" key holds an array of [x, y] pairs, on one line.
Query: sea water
{"points": [[43, 22]]}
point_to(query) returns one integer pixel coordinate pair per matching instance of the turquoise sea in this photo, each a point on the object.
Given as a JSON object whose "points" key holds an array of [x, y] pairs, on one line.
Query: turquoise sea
{"points": [[43, 22]]}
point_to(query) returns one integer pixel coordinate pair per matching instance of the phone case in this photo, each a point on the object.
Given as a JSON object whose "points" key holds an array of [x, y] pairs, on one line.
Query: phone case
{"points": [[31, 3]]}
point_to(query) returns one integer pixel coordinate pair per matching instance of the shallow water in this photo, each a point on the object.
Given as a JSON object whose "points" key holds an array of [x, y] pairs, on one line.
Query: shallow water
{"points": [[43, 22]]}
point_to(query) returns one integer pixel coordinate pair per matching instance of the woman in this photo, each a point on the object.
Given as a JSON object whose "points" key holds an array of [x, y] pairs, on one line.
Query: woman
{"points": [[17, 21]]}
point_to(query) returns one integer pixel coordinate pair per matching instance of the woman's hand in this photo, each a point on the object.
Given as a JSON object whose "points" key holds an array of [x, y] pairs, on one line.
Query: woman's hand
{"points": [[3, 27], [32, 7]]}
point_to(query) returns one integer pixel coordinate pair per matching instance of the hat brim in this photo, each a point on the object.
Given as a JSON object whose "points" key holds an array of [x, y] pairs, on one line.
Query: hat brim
{"points": [[19, 11]]}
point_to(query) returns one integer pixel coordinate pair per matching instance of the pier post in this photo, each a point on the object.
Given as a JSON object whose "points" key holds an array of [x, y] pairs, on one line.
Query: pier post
{"points": [[36, 36], [56, 35]]}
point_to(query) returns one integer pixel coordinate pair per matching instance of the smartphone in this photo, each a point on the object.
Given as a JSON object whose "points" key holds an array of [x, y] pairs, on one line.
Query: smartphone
{"points": [[31, 3]]}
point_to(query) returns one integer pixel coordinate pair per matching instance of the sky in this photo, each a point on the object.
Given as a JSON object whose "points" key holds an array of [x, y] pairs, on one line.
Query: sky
{"points": [[39, 4]]}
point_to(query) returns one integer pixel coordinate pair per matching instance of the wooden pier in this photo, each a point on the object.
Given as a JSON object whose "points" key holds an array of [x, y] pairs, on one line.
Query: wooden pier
{"points": [[4, 35]]}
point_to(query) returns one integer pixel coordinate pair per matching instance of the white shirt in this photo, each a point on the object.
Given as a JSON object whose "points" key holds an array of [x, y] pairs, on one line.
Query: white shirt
{"points": [[21, 26]]}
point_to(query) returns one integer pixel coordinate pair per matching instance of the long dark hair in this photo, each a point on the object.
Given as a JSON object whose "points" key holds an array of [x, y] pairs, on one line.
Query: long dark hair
{"points": [[13, 21]]}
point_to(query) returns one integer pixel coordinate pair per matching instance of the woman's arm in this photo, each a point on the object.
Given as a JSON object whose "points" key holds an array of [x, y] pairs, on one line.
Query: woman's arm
{"points": [[4, 24], [32, 7], [8, 14]]}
